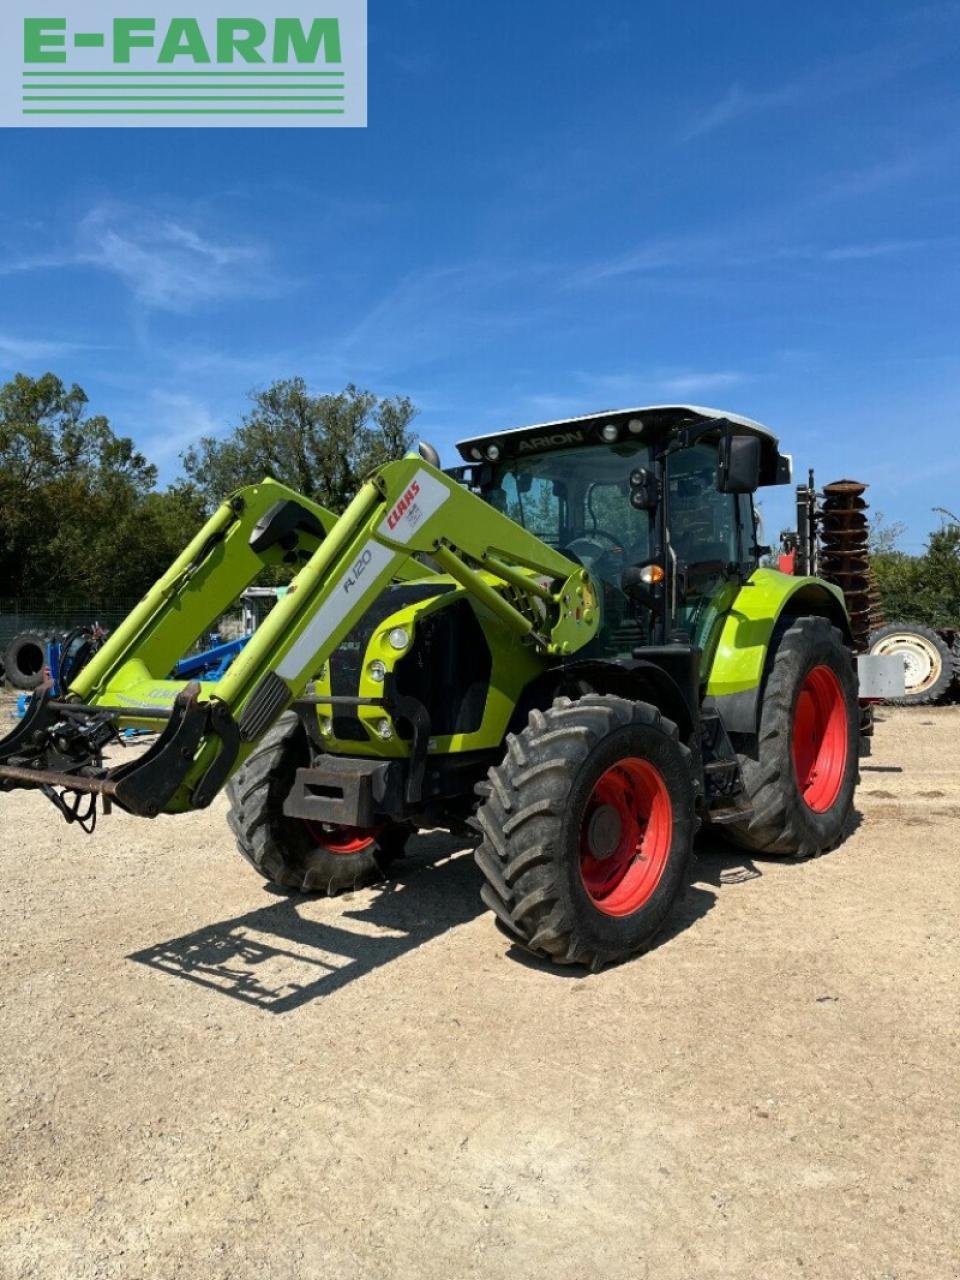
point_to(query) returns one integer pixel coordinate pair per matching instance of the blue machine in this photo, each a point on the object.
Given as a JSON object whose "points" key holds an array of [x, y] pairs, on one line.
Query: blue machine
{"points": [[209, 665]]}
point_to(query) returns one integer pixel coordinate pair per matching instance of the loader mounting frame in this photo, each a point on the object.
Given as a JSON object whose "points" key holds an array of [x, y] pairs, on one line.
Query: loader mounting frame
{"points": [[34, 755]]}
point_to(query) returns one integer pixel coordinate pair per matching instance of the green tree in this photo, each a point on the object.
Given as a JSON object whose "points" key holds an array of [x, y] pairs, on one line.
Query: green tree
{"points": [[69, 489], [320, 445], [923, 588]]}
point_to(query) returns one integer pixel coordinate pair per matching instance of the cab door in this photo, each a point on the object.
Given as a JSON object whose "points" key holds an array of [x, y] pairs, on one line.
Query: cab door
{"points": [[710, 546]]}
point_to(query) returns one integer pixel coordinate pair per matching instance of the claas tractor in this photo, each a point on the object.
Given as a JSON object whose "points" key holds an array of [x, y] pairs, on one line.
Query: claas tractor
{"points": [[566, 648]]}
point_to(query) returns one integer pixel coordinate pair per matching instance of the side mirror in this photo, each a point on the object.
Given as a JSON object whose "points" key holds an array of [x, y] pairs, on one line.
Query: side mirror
{"points": [[739, 464]]}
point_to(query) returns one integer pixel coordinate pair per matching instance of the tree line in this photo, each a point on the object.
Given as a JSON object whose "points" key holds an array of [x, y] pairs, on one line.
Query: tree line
{"points": [[919, 588], [82, 516]]}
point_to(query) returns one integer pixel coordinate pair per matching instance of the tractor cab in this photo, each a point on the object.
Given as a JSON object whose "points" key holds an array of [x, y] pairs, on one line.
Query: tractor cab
{"points": [[656, 503]]}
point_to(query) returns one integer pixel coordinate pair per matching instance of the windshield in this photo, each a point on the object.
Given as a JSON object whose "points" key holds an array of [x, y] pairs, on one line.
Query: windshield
{"points": [[578, 500]]}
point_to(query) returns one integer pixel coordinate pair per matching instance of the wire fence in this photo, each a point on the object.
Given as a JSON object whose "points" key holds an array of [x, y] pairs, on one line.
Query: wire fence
{"points": [[48, 618], [52, 621]]}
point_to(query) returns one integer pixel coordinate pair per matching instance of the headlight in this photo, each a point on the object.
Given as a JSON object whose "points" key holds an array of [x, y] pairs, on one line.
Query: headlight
{"points": [[377, 671], [385, 729], [398, 639]]}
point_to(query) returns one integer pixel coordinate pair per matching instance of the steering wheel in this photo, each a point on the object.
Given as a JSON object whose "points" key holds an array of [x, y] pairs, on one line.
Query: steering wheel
{"points": [[587, 540]]}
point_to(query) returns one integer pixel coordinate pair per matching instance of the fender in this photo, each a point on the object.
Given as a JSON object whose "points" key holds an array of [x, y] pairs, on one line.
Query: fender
{"points": [[642, 680], [765, 604]]}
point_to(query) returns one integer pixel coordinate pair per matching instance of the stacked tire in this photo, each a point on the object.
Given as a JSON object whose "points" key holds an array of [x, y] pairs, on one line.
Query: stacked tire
{"points": [[25, 660]]}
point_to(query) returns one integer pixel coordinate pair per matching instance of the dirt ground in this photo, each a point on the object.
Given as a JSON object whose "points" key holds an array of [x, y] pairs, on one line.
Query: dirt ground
{"points": [[201, 1079]]}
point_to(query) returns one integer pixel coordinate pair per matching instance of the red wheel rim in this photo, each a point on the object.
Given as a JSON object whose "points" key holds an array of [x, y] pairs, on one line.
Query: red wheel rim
{"points": [[625, 837], [820, 739], [341, 840]]}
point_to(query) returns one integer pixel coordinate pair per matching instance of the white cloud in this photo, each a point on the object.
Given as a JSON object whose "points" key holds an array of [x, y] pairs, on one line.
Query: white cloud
{"points": [[174, 422], [693, 382], [15, 349], [599, 392], [735, 251], [165, 262], [852, 73]]}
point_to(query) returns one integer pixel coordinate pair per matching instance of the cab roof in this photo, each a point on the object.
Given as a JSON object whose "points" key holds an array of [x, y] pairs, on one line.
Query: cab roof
{"points": [[654, 420]]}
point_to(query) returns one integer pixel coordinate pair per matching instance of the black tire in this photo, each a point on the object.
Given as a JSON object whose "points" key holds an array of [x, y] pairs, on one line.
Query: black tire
{"points": [[782, 821], [25, 660], [534, 816], [930, 662], [289, 851]]}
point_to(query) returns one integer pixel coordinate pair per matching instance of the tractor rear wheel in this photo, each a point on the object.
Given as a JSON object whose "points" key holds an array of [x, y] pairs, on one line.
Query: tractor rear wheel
{"points": [[587, 827], [928, 661], [802, 772], [294, 852]]}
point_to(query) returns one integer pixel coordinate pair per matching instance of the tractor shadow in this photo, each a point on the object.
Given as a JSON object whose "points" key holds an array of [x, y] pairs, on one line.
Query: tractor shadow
{"points": [[718, 864], [280, 957]]}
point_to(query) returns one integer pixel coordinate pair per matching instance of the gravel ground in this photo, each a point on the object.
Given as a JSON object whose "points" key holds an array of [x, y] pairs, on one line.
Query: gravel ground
{"points": [[201, 1079]]}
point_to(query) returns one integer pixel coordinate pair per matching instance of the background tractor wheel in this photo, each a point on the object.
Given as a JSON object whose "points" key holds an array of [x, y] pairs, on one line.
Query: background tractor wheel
{"points": [[76, 650], [25, 660], [293, 852], [928, 660], [801, 775], [587, 828]]}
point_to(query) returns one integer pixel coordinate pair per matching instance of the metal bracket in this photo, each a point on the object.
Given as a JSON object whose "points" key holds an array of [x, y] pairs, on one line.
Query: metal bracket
{"points": [[400, 707]]}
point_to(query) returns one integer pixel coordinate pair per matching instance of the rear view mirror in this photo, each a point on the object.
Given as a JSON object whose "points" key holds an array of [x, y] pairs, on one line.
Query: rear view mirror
{"points": [[739, 464]]}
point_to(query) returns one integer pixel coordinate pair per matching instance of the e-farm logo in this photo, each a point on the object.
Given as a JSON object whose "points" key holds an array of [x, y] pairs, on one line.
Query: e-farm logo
{"points": [[102, 63]]}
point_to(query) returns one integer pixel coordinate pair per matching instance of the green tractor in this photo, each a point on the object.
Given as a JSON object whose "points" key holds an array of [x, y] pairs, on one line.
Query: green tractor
{"points": [[566, 646]]}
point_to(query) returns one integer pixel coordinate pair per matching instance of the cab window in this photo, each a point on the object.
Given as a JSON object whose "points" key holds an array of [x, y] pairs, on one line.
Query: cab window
{"points": [[703, 522]]}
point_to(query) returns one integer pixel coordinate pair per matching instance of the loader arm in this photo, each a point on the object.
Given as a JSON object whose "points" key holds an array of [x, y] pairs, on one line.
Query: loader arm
{"points": [[405, 510]]}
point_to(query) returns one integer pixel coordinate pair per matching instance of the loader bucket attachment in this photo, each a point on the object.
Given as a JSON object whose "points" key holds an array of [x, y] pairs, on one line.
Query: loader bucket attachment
{"points": [[143, 786]]}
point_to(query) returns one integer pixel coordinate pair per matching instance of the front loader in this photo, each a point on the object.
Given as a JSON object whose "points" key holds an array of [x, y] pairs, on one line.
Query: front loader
{"points": [[566, 647]]}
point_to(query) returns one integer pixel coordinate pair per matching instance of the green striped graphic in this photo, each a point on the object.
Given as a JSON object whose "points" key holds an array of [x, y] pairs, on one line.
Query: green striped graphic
{"points": [[202, 91], [176, 97], [182, 111]]}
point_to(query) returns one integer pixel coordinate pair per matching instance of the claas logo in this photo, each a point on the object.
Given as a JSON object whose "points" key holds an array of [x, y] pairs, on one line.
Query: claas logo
{"points": [[393, 519]]}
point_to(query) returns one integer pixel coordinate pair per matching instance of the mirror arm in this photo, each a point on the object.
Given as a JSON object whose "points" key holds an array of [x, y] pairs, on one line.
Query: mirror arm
{"points": [[690, 435]]}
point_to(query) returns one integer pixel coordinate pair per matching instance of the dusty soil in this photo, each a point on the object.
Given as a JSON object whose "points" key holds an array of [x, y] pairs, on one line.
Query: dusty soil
{"points": [[200, 1079]]}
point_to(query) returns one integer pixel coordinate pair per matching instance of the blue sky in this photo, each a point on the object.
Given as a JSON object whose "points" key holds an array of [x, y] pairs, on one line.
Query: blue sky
{"points": [[556, 208]]}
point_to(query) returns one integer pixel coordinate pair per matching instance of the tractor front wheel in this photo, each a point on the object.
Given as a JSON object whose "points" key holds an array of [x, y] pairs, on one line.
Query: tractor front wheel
{"points": [[293, 852], [587, 827], [801, 773]]}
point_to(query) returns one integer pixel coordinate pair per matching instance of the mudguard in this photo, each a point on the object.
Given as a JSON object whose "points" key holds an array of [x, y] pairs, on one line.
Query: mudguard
{"points": [[747, 637]]}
